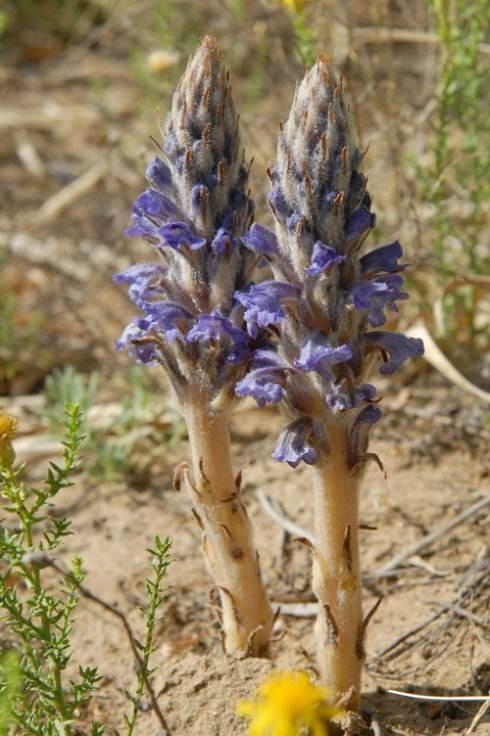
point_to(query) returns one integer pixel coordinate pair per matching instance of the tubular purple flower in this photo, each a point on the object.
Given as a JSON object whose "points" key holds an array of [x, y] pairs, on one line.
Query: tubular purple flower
{"points": [[214, 327], [159, 174], [261, 240], [222, 240], [358, 440], [139, 271], [143, 281], [169, 318], [264, 304], [179, 235], [395, 349], [143, 352], [142, 227], [277, 202], [323, 257], [153, 203], [358, 226], [317, 355], [265, 385], [374, 296], [340, 400], [384, 259], [292, 446]]}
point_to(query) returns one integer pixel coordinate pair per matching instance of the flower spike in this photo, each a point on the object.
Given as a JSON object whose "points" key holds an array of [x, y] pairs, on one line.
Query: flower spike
{"points": [[195, 213], [320, 309]]}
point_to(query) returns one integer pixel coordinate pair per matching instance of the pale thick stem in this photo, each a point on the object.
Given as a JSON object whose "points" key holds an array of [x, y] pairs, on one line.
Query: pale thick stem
{"points": [[336, 573], [227, 534]]}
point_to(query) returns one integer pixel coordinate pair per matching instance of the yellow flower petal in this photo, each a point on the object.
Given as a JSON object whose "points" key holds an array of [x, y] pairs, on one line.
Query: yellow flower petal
{"points": [[296, 6], [8, 430], [286, 704], [8, 427]]}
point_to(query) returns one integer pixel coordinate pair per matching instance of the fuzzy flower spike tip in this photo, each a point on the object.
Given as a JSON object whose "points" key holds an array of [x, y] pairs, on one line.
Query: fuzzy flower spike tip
{"points": [[193, 213], [324, 309]]}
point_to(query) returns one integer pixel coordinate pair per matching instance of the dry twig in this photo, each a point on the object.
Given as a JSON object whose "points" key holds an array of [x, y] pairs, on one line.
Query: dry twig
{"points": [[271, 509], [299, 610], [426, 540], [69, 194], [478, 717], [434, 355], [461, 613], [441, 698], [454, 609]]}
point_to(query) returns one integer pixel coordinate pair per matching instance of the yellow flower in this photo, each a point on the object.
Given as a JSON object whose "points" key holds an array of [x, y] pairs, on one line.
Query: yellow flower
{"points": [[288, 704], [296, 6], [8, 430], [161, 60]]}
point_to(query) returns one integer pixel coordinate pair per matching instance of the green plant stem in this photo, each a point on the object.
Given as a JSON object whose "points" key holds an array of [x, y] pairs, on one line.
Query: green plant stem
{"points": [[35, 578], [155, 595], [86, 593]]}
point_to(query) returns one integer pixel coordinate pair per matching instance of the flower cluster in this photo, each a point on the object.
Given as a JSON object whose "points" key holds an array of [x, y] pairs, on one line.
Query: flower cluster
{"points": [[325, 296], [288, 704], [193, 213]]}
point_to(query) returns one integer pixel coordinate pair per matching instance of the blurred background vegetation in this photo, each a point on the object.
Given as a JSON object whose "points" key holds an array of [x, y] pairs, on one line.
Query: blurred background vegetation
{"points": [[85, 83]]}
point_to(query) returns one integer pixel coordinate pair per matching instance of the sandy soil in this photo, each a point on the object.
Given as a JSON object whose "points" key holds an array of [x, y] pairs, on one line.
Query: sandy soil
{"points": [[197, 686]]}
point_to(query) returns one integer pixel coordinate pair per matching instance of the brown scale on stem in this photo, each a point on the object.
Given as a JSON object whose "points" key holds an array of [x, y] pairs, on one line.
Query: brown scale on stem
{"points": [[347, 548], [331, 628]]}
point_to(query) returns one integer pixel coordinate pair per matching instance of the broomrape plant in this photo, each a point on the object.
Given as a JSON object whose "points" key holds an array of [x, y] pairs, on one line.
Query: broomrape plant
{"points": [[193, 214], [323, 310], [307, 338]]}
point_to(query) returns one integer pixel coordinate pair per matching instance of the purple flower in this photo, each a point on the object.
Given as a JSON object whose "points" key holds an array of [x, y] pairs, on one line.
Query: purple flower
{"points": [[383, 259], [358, 439], [154, 204], [159, 174], [369, 415], [169, 318], [323, 257], [198, 194], [395, 349], [359, 223], [150, 210], [261, 240], [143, 280], [265, 385], [142, 227], [215, 327], [373, 296], [179, 235], [221, 241], [340, 400], [263, 304], [139, 271], [292, 446], [277, 201], [136, 330], [318, 355]]}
